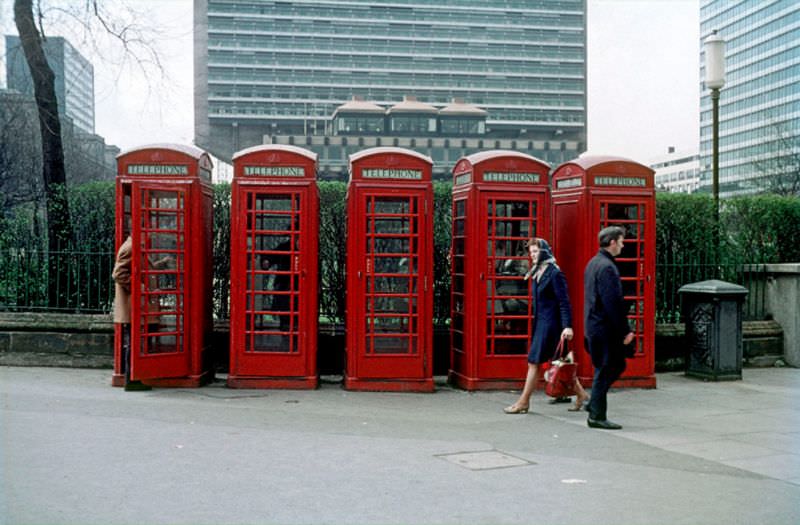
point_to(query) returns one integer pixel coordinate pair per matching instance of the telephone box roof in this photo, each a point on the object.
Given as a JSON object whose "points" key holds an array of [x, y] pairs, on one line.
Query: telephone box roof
{"points": [[588, 162], [386, 150], [192, 151], [477, 158], [276, 147]]}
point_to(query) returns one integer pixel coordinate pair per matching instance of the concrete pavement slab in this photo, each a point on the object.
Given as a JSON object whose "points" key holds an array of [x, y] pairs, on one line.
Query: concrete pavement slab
{"points": [[75, 450]]}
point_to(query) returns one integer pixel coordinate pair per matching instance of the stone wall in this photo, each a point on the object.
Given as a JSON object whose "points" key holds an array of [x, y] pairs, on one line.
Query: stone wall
{"points": [[86, 341], [783, 302], [69, 340]]}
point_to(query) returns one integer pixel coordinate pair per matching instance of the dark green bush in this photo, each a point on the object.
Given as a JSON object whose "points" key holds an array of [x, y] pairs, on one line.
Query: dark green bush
{"points": [[757, 229], [684, 228], [763, 228], [222, 250], [332, 249], [442, 221]]}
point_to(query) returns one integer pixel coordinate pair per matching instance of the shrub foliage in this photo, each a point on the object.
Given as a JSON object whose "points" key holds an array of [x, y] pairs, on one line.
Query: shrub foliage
{"points": [[757, 229]]}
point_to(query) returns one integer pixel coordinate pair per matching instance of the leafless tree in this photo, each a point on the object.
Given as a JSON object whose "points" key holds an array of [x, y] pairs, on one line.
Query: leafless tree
{"points": [[780, 165], [53, 174], [19, 155], [96, 26]]}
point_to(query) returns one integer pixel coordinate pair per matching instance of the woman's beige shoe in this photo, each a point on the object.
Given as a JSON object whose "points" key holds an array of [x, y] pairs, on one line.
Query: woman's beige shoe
{"points": [[579, 404], [514, 409]]}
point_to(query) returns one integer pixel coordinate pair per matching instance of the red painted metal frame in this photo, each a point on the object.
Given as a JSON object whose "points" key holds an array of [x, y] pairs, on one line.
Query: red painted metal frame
{"points": [[581, 188], [269, 172], [380, 176], [186, 171], [478, 181]]}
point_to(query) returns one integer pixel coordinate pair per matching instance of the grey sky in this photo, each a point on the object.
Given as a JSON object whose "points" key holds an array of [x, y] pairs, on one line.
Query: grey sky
{"points": [[643, 79]]}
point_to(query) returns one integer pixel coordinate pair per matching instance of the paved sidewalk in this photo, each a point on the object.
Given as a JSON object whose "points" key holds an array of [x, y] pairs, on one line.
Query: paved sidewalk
{"points": [[75, 450]]}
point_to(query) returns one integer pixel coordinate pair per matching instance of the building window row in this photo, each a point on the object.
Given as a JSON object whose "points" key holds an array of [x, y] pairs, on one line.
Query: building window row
{"points": [[389, 63], [440, 8], [411, 82], [760, 84], [500, 33], [394, 45], [720, 14], [757, 16], [268, 111]]}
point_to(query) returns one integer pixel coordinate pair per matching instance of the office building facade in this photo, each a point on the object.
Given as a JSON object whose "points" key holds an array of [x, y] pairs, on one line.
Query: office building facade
{"points": [[677, 172], [281, 72], [74, 78], [760, 102]]}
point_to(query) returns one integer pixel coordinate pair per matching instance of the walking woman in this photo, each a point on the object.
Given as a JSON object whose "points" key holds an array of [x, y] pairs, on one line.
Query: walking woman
{"points": [[552, 321]]}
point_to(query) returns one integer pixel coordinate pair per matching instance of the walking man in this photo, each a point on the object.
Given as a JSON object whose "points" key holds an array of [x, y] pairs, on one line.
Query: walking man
{"points": [[607, 332]]}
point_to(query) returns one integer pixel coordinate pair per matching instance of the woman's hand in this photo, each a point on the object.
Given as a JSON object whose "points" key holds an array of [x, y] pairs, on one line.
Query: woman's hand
{"points": [[567, 334]]}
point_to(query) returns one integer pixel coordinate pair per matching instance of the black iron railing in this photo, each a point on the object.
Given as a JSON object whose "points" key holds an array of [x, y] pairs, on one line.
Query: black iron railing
{"points": [[670, 277], [65, 281], [82, 284]]}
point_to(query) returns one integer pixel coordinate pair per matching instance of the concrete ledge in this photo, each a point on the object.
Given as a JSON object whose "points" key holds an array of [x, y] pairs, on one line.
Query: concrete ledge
{"points": [[86, 341], [790, 268], [749, 329], [37, 322]]}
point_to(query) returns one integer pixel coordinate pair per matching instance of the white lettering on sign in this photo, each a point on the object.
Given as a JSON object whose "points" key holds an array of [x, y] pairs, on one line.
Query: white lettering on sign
{"points": [[620, 181], [275, 171], [391, 174], [568, 183], [158, 169], [463, 178], [501, 176]]}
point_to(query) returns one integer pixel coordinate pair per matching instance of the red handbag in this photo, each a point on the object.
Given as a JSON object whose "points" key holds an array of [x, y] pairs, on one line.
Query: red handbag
{"points": [[560, 375]]}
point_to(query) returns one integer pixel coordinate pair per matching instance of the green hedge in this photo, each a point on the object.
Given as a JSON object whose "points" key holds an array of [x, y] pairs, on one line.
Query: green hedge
{"points": [[757, 229]]}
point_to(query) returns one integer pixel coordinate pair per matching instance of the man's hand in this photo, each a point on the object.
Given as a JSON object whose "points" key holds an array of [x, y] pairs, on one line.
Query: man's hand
{"points": [[628, 339]]}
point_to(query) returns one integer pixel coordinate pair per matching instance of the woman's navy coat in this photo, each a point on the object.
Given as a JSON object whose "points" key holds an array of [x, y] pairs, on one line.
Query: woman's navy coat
{"points": [[552, 313]]}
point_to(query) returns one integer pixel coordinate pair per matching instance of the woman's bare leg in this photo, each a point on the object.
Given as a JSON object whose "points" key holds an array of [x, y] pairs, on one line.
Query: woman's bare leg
{"points": [[524, 401]]}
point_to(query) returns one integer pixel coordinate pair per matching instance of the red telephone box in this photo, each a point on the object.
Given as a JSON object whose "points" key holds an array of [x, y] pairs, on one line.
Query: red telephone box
{"points": [[164, 201], [274, 238], [590, 193], [389, 271], [500, 200]]}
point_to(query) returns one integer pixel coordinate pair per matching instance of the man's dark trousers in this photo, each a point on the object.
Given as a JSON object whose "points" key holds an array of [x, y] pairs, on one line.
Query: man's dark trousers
{"points": [[607, 369]]}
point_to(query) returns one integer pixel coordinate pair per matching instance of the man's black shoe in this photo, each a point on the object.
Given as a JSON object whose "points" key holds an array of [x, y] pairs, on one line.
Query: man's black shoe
{"points": [[562, 399], [603, 423], [136, 386]]}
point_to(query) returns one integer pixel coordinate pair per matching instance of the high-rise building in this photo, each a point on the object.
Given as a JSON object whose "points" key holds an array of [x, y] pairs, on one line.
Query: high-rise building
{"points": [[74, 78], [760, 102], [282, 71]]}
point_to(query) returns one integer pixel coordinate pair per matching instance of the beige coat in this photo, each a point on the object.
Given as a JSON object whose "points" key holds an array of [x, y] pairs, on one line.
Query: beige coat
{"points": [[122, 282]]}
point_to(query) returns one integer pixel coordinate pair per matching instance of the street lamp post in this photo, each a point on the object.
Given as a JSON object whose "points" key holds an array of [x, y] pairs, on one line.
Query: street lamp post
{"points": [[715, 79]]}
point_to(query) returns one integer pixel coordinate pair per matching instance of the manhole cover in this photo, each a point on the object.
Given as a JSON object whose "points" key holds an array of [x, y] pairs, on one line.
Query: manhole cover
{"points": [[485, 460]]}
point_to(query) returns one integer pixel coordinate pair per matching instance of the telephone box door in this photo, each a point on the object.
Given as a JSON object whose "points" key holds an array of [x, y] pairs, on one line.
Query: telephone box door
{"points": [[510, 220], [635, 216], [392, 279], [275, 286], [158, 301]]}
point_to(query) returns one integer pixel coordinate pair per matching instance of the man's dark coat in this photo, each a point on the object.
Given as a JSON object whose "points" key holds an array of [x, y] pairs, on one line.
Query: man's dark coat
{"points": [[604, 310]]}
